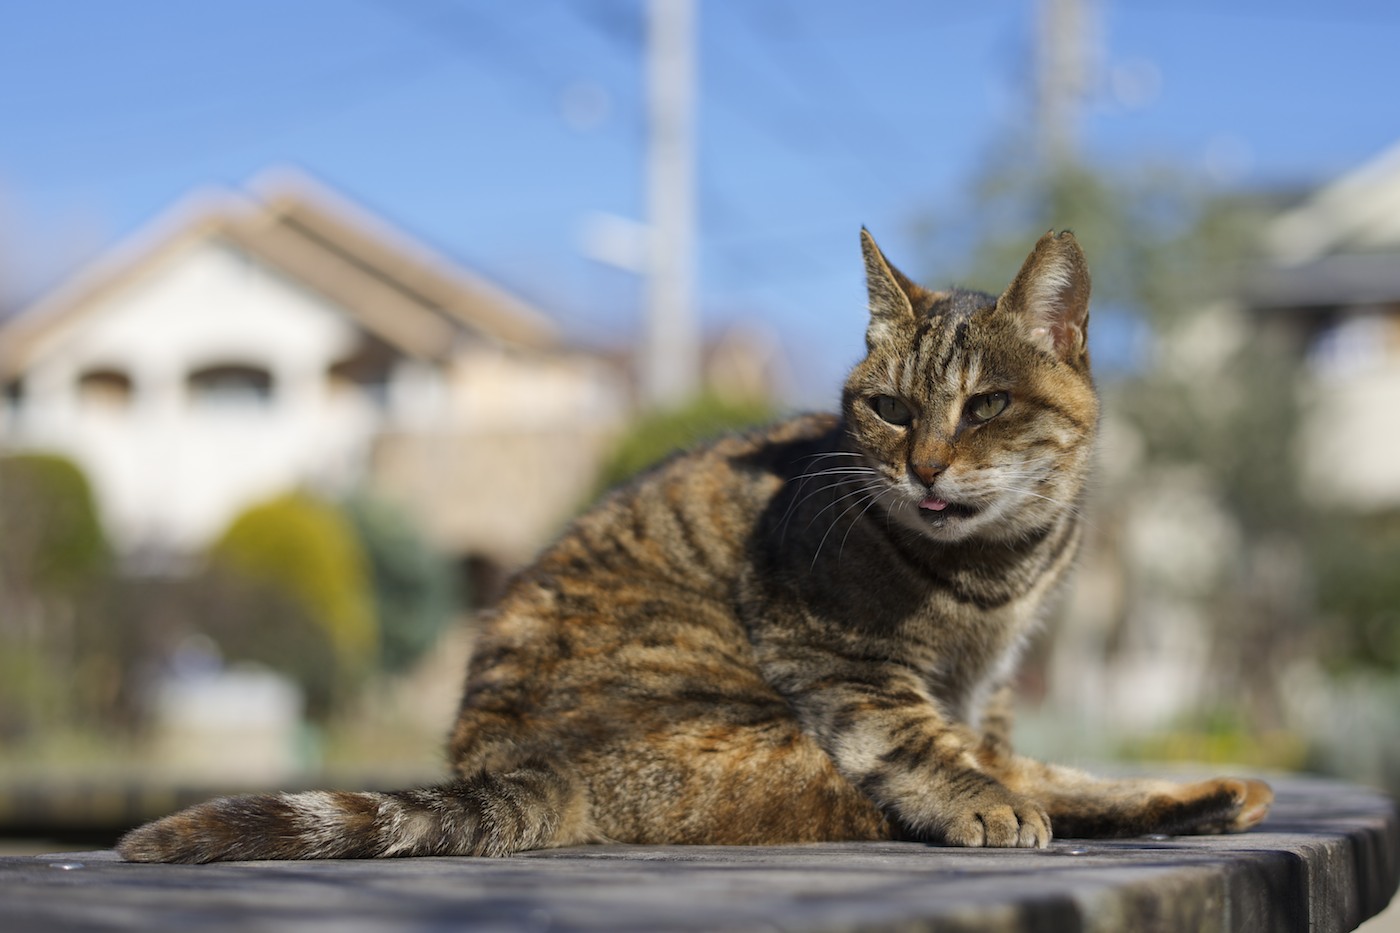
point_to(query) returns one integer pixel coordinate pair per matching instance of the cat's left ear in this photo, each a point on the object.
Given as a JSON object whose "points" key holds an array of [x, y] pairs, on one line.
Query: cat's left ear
{"points": [[1051, 295], [892, 294]]}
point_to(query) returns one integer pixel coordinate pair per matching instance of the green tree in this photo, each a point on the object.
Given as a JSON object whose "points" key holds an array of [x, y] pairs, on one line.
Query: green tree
{"points": [[656, 435], [50, 536], [1358, 590], [54, 561], [413, 587], [304, 581]]}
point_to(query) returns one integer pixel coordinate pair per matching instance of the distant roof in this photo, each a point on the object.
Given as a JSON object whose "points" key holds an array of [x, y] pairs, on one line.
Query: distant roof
{"points": [[1340, 280], [393, 285], [1359, 212], [1338, 248]]}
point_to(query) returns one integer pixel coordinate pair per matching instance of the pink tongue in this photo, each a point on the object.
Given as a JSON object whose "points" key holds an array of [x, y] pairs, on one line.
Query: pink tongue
{"points": [[933, 505]]}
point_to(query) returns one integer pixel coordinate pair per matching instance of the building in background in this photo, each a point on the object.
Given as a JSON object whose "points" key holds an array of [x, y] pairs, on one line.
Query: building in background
{"points": [[1332, 281], [252, 342]]}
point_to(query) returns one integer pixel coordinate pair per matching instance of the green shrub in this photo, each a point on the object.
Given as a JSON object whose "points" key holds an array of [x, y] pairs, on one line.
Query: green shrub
{"points": [[307, 553], [1356, 562], [413, 588], [255, 619], [656, 435], [54, 562], [50, 536]]}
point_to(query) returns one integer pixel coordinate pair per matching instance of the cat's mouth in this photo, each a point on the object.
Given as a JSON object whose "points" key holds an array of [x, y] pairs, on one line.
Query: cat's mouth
{"points": [[939, 511]]}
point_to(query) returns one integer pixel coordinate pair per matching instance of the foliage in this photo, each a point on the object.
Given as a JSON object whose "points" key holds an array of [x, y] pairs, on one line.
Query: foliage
{"points": [[1355, 560], [50, 536], [257, 619], [658, 434], [303, 565], [413, 587], [1219, 736], [54, 566]]}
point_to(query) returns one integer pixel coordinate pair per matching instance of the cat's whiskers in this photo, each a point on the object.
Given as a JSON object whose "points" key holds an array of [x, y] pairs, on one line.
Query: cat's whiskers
{"points": [[799, 499], [1069, 506], [874, 499], [832, 504], [837, 520], [816, 492], [802, 478], [833, 453], [835, 472]]}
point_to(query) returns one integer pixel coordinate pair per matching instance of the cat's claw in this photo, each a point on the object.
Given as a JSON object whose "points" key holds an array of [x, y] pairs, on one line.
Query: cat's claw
{"points": [[999, 819]]}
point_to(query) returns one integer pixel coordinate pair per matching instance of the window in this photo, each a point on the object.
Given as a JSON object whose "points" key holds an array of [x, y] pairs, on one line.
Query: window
{"points": [[104, 390], [230, 386], [1352, 345]]}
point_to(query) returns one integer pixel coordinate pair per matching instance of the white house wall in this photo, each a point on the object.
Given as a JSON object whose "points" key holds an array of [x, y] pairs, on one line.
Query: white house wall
{"points": [[495, 390], [1350, 442], [170, 474]]}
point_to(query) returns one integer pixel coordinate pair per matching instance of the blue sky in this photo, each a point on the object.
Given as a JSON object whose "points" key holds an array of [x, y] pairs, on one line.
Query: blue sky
{"points": [[494, 130]]}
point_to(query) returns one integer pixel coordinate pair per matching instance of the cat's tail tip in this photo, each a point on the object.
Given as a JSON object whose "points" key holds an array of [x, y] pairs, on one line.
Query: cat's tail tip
{"points": [[491, 814]]}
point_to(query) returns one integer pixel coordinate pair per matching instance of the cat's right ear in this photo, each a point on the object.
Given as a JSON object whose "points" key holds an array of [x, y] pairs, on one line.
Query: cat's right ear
{"points": [[891, 307]]}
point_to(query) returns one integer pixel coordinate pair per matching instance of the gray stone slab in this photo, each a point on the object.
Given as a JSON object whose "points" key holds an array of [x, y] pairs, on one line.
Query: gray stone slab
{"points": [[1327, 859]]}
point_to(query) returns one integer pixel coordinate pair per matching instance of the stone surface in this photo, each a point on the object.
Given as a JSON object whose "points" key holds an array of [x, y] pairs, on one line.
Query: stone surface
{"points": [[1326, 859]]}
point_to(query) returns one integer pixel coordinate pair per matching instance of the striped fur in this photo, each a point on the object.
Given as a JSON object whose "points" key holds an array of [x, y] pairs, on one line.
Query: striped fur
{"points": [[801, 634]]}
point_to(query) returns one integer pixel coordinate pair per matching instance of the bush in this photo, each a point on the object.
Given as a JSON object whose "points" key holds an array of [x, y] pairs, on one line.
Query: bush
{"points": [[413, 588], [54, 562], [655, 435], [50, 536], [301, 565], [1355, 561]]}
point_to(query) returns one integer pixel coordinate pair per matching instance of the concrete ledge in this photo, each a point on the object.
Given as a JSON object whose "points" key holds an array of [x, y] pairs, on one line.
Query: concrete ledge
{"points": [[1327, 859]]}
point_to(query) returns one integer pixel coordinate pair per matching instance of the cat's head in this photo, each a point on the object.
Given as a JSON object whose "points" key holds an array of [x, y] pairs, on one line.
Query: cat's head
{"points": [[976, 413]]}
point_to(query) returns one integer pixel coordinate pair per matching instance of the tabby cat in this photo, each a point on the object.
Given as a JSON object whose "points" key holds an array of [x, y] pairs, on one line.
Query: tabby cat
{"points": [[800, 634]]}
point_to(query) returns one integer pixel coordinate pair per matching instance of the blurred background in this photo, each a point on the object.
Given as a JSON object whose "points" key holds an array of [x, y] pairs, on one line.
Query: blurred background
{"points": [[318, 319]]}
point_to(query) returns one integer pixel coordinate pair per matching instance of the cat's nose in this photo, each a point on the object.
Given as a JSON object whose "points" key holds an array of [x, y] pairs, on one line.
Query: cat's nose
{"points": [[927, 472]]}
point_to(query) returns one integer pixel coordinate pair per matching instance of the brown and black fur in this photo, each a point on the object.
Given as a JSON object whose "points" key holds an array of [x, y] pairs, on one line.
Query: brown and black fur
{"points": [[801, 634]]}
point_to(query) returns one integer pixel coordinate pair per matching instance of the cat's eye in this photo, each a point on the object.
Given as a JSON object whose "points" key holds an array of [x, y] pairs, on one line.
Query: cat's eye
{"points": [[986, 407], [891, 409]]}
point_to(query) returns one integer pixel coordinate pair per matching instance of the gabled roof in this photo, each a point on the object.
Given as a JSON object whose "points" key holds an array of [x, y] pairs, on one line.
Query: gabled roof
{"points": [[1338, 247], [1359, 212], [391, 284]]}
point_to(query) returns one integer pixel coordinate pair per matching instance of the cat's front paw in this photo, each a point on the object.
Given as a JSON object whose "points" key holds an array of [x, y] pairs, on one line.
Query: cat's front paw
{"points": [[996, 818]]}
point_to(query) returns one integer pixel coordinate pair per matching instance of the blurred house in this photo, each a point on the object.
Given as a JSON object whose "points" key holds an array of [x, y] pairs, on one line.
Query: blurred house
{"points": [[746, 363], [1332, 282], [250, 342]]}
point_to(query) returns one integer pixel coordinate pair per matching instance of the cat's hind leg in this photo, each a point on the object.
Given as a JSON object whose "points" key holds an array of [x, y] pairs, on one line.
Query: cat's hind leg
{"points": [[1086, 807]]}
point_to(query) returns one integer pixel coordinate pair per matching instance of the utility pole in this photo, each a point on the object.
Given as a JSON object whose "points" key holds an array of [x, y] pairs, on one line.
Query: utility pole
{"points": [[670, 364], [1063, 74]]}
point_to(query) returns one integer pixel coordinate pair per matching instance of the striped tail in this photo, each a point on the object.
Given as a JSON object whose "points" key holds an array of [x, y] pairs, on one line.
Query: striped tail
{"points": [[490, 814]]}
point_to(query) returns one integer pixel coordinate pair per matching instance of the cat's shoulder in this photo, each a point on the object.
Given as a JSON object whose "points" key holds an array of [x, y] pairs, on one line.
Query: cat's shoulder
{"points": [[782, 446], [752, 459]]}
